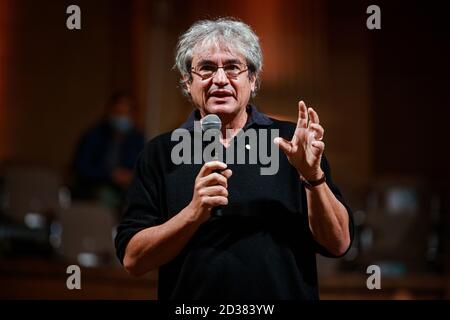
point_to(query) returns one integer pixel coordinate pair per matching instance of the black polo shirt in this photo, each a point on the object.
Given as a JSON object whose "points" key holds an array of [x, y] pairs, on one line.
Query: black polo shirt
{"points": [[260, 248]]}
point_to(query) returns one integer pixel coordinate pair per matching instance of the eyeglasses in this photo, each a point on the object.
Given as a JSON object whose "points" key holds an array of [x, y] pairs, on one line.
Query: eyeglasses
{"points": [[207, 71]]}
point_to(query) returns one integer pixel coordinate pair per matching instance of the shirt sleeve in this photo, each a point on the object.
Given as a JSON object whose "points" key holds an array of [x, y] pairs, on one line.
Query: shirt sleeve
{"points": [[142, 209], [337, 193]]}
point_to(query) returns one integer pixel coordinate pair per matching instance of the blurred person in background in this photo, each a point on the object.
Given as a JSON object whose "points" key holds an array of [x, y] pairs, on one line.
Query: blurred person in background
{"points": [[106, 155]]}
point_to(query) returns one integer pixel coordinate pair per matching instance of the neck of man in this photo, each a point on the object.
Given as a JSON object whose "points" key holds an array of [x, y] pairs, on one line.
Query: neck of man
{"points": [[231, 125]]}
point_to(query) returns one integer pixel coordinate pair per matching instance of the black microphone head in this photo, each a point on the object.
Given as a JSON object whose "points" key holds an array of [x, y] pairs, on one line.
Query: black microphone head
{"points": [[211, 121]]}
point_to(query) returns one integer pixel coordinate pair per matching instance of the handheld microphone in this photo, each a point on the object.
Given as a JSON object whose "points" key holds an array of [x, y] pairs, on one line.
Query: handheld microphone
{"points": [[212, 121]]}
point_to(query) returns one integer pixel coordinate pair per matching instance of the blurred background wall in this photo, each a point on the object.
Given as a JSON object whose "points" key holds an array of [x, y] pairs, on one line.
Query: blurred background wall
{"points": [[381, 94]]}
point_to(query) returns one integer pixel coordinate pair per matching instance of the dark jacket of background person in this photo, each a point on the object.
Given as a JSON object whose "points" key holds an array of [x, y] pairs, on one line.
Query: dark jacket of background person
{"points": [[97, 157]]}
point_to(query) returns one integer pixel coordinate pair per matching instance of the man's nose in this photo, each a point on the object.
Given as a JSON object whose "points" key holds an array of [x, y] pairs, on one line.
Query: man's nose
{"points": [[220, 78]]}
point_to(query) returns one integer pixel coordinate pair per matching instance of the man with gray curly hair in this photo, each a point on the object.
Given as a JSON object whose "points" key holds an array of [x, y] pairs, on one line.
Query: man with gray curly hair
{"points": [[263, 244], [223, 34]]}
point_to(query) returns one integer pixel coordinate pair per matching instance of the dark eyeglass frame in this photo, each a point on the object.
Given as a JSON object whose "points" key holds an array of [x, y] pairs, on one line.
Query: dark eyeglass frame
{"points": [[217, 69]]}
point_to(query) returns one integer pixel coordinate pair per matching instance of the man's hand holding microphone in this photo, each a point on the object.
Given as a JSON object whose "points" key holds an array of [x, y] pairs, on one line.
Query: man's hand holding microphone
{"points": [[210, 189]]}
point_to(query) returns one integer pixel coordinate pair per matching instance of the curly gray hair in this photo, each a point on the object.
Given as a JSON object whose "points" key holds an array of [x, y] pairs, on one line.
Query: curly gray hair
{"points": [[229, 32]]}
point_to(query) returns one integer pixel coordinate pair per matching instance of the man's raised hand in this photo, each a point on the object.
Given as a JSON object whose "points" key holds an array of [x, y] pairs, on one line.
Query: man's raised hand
{"points": [[305, 149]]}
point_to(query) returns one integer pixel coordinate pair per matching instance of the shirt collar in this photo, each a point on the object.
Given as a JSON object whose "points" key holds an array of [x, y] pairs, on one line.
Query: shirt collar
{"points": [[255, 118]]}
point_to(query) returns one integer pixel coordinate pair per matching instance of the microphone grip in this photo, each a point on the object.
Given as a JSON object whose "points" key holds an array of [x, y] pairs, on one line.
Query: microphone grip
{"points": [[217, 211]]}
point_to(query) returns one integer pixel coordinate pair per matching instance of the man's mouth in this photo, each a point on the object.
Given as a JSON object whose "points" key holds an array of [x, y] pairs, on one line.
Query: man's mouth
{"points": [[221, 94]]}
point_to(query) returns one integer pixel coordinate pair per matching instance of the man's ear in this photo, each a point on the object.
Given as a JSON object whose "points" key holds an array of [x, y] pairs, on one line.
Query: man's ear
{"points": [[253, 83], [187, 82]]}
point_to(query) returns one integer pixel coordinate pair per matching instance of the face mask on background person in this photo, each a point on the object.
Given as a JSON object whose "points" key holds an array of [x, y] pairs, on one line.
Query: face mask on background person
{"points": [[121, 124]]}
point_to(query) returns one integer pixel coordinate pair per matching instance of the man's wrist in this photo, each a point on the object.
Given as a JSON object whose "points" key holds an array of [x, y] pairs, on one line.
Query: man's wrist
{"points": [[311, 175], [313, 180]]}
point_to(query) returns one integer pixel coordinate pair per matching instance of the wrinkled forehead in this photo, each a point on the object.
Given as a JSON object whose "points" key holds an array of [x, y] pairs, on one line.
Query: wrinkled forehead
{"points": [[216, 50]]}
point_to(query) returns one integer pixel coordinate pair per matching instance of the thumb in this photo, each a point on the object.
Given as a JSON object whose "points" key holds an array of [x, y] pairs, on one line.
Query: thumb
{"points": [[283, 144]]}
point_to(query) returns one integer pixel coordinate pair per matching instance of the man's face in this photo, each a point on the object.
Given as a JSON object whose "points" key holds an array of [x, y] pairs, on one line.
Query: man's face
{"points": [[219, 94]]}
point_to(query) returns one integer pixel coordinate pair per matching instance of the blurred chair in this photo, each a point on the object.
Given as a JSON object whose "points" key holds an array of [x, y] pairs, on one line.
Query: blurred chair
{"points": [[31, 194], [87, 233], [397, 226]]}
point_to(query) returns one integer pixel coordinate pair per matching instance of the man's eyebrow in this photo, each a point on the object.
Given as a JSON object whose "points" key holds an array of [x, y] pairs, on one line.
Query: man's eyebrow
{"points": [[227, 61], [206, 61]]}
